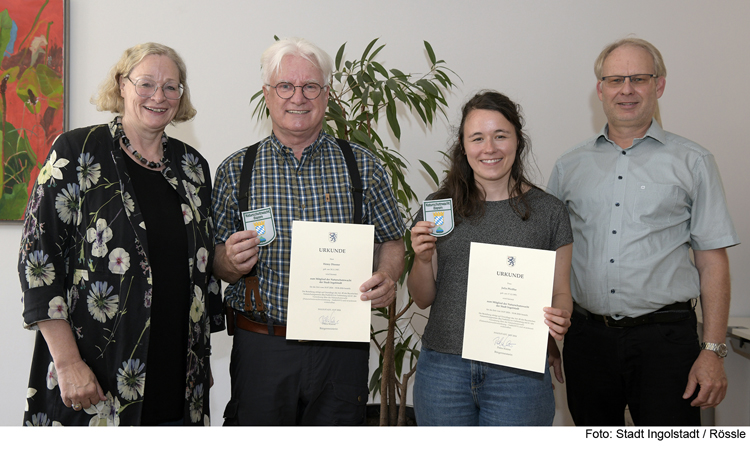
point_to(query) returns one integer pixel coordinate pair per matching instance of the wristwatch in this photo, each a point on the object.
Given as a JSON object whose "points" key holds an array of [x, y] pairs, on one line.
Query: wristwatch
{"points": [[719, 348]]}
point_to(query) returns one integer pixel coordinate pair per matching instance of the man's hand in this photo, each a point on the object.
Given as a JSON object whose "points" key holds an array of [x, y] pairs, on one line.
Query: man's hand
{"points": [[708, 373], [235, 258], [380, 290]]}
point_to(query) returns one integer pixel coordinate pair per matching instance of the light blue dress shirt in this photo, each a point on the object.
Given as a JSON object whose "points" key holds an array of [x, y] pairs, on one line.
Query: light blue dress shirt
{"points": [[635, 214]]}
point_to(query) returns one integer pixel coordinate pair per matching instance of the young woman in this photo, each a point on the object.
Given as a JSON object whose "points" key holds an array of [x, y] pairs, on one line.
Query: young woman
{"points": [[494, 203]]}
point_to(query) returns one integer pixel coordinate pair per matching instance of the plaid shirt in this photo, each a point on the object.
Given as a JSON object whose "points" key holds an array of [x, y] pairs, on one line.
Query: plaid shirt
{"points": [[315, 188]]}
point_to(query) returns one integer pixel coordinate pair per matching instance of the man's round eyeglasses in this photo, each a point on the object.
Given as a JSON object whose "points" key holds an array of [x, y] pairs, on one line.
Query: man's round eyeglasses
{"points": [[146, 88], [286, 90], [635, 79]]}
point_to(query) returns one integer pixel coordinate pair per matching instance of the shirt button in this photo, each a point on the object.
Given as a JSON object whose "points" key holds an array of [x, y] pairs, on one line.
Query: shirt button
{"points": [[302, 205], [614, 232], [617, 204], [623, 152], [612, 291], [612, 261], [619, 177]]}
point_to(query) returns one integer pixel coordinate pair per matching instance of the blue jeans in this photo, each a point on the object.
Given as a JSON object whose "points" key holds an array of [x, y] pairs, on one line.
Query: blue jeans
{"points": [[451, 390]]}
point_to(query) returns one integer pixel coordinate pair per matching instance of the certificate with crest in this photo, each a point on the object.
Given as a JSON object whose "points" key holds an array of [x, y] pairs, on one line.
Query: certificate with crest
{"points": [[507, 289], [329, 262]]}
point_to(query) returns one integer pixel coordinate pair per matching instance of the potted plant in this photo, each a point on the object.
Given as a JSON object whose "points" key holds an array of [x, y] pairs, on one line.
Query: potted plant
{"points": [[364, 93]]}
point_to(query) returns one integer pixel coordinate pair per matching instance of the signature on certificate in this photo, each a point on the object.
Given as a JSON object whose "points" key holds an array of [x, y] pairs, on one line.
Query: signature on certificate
{"points": [[328, 320], [503, 342]]}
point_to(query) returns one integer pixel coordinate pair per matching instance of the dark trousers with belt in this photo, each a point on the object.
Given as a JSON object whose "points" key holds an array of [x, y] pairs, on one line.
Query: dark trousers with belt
{"points": [[645, 367], [276, 381]]}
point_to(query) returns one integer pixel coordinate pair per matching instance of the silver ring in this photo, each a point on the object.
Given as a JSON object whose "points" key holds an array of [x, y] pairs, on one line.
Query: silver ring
{"points": [[76, 407]]}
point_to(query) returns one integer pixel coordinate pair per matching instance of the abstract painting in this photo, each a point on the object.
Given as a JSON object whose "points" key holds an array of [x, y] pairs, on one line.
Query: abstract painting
{"points": [[33, 72]]}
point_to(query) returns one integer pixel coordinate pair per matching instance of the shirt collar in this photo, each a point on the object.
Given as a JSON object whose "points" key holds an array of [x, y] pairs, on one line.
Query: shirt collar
{"points": [[310, 149], [655, 131]]}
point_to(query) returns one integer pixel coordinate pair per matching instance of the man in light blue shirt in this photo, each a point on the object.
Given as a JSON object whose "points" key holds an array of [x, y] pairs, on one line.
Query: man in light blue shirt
{"points": [[640, 199]]}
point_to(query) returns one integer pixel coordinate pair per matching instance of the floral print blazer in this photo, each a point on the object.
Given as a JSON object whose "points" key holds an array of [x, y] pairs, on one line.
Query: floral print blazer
{"points": [[84, 259]]}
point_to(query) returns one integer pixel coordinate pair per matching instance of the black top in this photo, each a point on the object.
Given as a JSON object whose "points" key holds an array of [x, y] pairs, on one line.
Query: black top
{"points": [[164, 393]]}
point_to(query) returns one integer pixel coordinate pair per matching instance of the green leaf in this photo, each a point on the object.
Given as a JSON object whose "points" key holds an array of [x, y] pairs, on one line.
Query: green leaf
{"points": [[392, 116], [380, 69], [431, 172], [29, 90], [362, 139], [13, 204], [430, 52], [377, 51], [50, 83], [367, 49], [398, 73], [418, 108], [428, 87], [339, 56], [6, 24]]}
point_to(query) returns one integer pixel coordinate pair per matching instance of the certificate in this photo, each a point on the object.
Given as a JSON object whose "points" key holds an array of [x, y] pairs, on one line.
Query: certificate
{"points": [[329, 262], [507, 289]]}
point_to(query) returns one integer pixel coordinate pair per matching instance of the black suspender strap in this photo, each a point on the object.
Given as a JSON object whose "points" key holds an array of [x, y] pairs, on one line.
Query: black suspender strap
{"points": [[245, 176], [357, 190]]}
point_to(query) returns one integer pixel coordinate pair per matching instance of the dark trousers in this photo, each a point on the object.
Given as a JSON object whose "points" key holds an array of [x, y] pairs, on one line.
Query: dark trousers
{"points": [[285, 382], [644, 367]]}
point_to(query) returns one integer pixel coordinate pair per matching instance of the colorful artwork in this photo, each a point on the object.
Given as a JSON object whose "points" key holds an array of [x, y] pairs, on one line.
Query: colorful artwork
{"points": [[32, 73]]}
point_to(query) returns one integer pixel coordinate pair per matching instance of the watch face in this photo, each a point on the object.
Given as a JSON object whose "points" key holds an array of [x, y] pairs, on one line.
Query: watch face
{"points": [[719, 348]]}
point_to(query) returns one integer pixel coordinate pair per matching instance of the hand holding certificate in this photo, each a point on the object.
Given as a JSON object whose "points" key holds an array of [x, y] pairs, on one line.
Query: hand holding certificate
{"points": [[329, 261], [507, 290]]}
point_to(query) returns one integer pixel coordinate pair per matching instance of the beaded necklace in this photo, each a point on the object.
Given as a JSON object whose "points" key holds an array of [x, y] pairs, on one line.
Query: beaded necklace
{"points": [[138, 156]]}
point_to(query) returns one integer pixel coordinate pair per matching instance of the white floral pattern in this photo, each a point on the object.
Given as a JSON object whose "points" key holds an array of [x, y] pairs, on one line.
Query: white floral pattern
{"points": [[101, 304], [202, 259], [38, 272], [51, 376], [131, 379], [82, 260], [99, 237], [119, 261], [58, 309], [127, 201], [106, 413], [52, 169], [192, 168], [187, 213], [88, 171], [66, 203], [198, 307]]}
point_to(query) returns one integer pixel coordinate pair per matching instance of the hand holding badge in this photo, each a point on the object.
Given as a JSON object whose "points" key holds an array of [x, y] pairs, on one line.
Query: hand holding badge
{"points": [[262, 221], [440, 212]]}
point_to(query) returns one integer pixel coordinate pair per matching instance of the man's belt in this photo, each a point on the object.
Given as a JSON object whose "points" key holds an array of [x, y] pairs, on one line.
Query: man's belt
{"points": [[675, 312], [243, 322]]}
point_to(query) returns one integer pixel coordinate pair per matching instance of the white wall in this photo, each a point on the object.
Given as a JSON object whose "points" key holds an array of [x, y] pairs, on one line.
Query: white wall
{"points": [[540, 53]]}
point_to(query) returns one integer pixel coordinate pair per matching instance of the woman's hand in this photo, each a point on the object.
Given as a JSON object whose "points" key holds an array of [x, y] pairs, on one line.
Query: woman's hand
{"points": [[422, 242], [79, 388], [558, 321], [554, 360]]}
